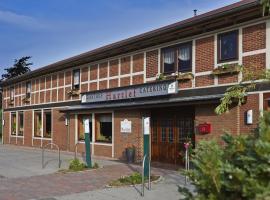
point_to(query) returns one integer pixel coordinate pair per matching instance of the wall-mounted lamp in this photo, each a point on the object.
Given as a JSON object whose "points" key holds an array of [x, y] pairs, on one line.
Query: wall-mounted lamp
{"points": [[3, 122], [249, 117], [66, 120]]}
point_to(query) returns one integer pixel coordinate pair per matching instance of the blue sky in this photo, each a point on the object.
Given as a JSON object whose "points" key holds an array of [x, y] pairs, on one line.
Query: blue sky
{"points": [[52, 30]]}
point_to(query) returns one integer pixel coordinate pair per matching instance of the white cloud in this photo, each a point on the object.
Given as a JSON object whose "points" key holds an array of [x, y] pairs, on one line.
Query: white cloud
{"points": [[22, 21]]}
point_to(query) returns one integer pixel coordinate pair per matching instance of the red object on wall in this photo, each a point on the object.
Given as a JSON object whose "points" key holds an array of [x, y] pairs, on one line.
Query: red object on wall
{"points": [[204, 128]]}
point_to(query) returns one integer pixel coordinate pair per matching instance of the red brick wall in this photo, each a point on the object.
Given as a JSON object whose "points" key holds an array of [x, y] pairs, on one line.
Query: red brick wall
{"points": [[133, 138], [125, 65], [93, 72], [103, 85], [6, 127], [138, 79], [60, 130], [204, 54], [254, 37], [103, 70], [206, 80], [151, 63], [125, 81], [103, 150], [114, 67], [220, 123], [254, 64], [93, 86], [227, 78], [28, 128], [68, 77], [84, 76], [184, 84], [253, 104], [138, 62], [113, 83]]}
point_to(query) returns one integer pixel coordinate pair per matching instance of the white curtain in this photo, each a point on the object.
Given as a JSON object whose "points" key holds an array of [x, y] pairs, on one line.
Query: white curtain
{"points": [[28, 88], [184, 53], [169, 57], [76, 78]]}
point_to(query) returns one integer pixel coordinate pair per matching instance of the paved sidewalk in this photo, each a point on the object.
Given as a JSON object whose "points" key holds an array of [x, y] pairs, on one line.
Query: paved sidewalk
{"points": [[164, 190], [22, 178]]}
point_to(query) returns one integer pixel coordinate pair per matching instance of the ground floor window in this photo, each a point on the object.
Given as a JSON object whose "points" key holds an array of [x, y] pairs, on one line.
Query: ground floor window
{"points": [[81, 129], [38, 123], [13, 124], [47, 119], [104, 127], [21, 124]]}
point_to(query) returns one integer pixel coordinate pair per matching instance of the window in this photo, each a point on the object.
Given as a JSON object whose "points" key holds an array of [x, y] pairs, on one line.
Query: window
{"points": [[76, 79], [228, 46], [81, 131], [37, 124], [12, 91], [47, 124], [28, 90], [104, 128], [21, 121], [178, 58], [13, 124]]}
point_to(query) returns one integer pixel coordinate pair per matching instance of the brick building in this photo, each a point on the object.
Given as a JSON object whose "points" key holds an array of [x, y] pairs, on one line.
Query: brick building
{"points": [[168, 74]]}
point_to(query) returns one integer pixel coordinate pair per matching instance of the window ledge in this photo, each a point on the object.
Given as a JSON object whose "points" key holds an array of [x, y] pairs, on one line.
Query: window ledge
{"points": [[226, 69]]}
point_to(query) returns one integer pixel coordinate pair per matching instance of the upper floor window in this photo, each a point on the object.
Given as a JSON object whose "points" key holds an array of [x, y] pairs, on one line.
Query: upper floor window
{"points": [[228, 46], [12, 91], [76, 79], [178, 58], [28, 89]]}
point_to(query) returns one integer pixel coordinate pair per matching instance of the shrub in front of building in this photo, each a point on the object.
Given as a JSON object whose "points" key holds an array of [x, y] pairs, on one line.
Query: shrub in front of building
{"points": [[239, 170]]}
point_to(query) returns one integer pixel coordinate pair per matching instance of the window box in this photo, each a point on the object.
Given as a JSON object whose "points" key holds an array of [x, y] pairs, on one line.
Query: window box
{"points": [[226, 69], [26, 100], [185, 76], [175, 76], [162, 77], [73, 92], [11, 102]]}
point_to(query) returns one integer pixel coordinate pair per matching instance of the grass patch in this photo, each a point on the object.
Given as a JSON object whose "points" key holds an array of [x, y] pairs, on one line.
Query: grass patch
{"points": [[76, 165], [135, 178]]}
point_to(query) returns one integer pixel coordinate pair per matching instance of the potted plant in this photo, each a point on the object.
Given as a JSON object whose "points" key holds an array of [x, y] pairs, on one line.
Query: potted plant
{"points": [[73, 92], [227, 69], [130, 153], [26, 99], [185, 76]]}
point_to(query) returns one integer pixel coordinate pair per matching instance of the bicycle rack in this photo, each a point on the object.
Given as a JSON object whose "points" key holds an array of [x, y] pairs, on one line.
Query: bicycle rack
{"points": [[43, 149], [76, 150], [149, 177]]}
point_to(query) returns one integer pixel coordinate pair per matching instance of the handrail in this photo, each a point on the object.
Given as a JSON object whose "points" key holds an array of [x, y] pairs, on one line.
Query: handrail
{"points": [[149, 175], [43, 148]]}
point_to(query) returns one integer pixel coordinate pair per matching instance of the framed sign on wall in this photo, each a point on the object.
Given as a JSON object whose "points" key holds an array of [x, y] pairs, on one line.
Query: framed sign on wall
{"points": [[125, 126]]}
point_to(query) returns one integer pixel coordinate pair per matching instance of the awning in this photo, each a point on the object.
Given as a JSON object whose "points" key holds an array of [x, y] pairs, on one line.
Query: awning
{"points": [[149, 103]]}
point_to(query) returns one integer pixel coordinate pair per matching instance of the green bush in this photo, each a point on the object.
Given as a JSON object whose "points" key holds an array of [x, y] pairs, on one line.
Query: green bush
{"points": [[76, 165], [133, 179], [239, 170]]}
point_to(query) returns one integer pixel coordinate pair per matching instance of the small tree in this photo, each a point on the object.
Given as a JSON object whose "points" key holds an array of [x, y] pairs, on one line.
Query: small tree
{"points": [[239, 170], [21, 66]]}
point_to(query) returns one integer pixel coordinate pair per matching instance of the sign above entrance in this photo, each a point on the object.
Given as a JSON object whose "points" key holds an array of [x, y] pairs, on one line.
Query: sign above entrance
{"points": [[132, 92]]}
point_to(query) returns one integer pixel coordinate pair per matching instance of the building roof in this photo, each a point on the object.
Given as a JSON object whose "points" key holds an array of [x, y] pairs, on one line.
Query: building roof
{"points": [[235, 13]]}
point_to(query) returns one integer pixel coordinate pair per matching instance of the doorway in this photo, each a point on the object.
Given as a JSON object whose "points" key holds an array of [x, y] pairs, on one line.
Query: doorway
{"points": [[170, 129]]}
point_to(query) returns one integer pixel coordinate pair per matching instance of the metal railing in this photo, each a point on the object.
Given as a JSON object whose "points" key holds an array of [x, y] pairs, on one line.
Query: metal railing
{"points": [[149, 174], [59, 158]]}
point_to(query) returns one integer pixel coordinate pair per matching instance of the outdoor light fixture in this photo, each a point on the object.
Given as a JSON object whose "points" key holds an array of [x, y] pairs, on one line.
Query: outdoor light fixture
{"points": [[66, 121], [249, 117], [3, 122]]}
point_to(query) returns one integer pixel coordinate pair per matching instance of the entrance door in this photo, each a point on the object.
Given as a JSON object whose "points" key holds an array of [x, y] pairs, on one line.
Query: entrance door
{"points": [[168, 136]]}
